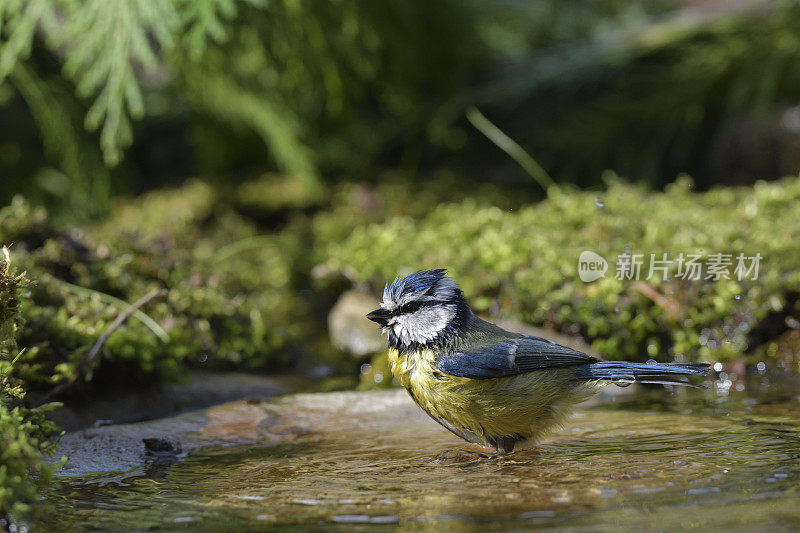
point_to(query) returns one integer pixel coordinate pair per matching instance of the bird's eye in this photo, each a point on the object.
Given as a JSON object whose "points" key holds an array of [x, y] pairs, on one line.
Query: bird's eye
{"points": [[411, 307]]}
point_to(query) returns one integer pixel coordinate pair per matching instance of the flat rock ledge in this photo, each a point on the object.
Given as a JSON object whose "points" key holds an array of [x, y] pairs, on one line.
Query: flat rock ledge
{"points": [[385, 417]]}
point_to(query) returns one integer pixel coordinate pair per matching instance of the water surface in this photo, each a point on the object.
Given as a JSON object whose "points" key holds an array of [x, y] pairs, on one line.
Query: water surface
{"points": [[662, 460]]}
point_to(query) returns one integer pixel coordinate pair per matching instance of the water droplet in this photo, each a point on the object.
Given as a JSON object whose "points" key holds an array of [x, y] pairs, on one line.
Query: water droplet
{"points": [[738, 297], [598, 200], [652, 362], [624, 382], [628, 249]]}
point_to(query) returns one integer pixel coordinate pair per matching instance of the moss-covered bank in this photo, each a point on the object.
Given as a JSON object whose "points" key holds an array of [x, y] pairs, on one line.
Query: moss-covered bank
{"points": [[25, 434], [237, 263], [250, 281], [524, 264]]}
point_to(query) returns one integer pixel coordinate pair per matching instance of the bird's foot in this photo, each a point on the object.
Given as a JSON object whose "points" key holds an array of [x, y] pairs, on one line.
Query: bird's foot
{"points": [[480, 450], [523, 456], [468, 455]]}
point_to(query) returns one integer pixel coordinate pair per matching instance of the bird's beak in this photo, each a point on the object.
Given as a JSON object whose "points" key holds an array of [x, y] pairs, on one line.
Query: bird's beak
{"points": [[381, 316]]}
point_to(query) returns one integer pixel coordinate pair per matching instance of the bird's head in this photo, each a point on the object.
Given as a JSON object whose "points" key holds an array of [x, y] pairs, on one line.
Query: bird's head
{"points": [[421, 309]]}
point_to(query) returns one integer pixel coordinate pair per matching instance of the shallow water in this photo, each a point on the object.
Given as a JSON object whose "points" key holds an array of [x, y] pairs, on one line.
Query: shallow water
{"points": [[713, 459]]}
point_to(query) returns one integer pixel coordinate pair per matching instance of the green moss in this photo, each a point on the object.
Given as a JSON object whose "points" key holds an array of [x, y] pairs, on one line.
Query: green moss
{"points": [[24, 439], [10, 319], [523, 263], [249, 297], [231, 301], [276, 192], [25, 435], [241, 295]]}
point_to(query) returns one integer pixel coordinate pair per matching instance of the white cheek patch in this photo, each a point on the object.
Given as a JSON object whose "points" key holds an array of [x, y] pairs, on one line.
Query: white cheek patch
{"points": [[423, 326]]}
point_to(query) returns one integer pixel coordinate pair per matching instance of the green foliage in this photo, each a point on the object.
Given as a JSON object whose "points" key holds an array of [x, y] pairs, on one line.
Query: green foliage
{"points": [[105, 40], [18, 22], [523, 263], [231, 301], [316, 82], [24, 438], [24, 433], [703, 93], [10, 319], [274, 193], [243, 297], [83, 179], [207, 20], [239, 296], [336, 89]]}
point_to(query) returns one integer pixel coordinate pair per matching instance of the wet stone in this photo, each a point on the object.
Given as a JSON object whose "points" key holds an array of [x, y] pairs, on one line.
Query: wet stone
{"points": [[162, 446]]}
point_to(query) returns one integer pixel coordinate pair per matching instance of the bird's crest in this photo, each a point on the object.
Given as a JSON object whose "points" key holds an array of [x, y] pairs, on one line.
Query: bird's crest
{"points": [[420, 281]]}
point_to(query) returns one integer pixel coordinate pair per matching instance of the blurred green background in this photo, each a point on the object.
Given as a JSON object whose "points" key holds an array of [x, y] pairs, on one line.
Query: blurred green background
{"points": [[105, 98]]}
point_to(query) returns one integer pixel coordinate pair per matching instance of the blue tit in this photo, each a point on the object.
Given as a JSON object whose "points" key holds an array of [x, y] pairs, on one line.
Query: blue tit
{"points": [[487, 385]]}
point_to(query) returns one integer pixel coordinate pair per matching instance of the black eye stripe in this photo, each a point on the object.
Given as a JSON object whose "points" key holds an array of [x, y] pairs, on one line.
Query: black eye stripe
{"points": [[410, 307]]}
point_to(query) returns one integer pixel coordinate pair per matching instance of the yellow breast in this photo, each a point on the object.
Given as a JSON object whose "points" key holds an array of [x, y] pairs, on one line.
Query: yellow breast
{"points": [[523, 405]]}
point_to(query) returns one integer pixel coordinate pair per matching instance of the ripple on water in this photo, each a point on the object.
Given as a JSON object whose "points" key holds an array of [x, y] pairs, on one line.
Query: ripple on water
{"points": [[684, 464]]}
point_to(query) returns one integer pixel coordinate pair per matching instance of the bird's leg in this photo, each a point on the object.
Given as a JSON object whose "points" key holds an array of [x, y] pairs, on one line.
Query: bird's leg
{"points": [[502, 446], [467, 455], [505, 444]]}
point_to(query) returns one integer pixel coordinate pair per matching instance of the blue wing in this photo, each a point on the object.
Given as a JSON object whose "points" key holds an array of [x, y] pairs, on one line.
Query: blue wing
{"points": [[510, 358]]}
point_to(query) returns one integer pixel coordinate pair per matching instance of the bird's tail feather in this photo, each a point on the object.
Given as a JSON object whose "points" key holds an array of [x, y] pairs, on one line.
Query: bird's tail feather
{"points": [[625, 372]]}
